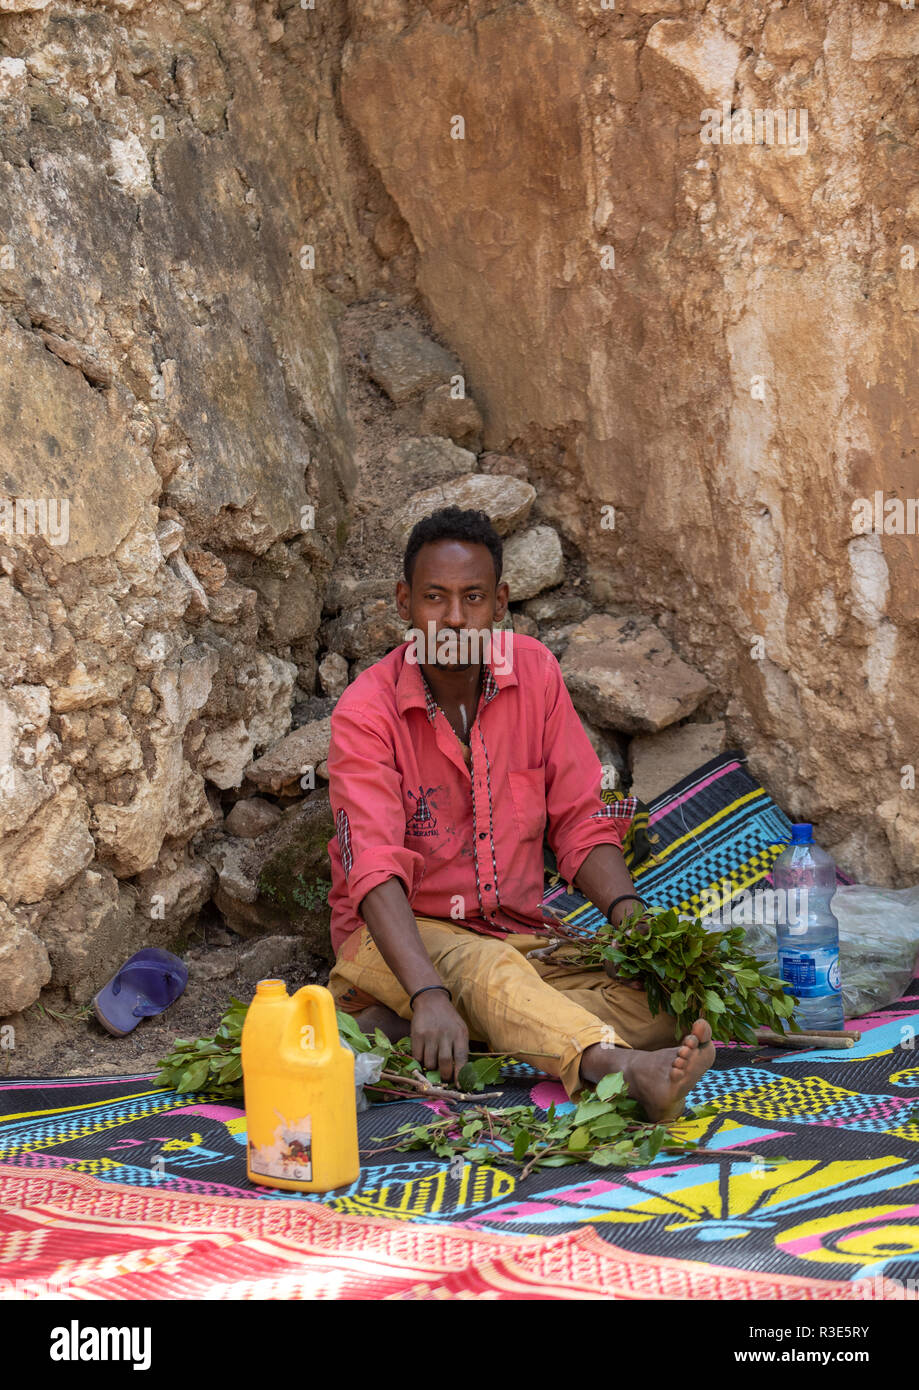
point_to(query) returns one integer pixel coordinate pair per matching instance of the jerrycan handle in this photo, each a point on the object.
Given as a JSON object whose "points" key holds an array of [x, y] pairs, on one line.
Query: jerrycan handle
{"points": [[313, 1026]]}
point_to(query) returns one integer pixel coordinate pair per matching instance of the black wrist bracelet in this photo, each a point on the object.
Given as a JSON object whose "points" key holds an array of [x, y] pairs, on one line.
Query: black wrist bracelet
{"points": [[425, 990], [624, 897]]}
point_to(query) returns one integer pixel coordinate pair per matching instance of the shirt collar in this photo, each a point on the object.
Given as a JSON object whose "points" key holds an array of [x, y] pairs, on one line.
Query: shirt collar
{"points": [[413, 690]]}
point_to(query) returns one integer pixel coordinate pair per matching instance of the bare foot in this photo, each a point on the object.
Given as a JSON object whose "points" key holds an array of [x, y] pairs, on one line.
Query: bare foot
{"points": [[659, 1081], [379, 1016]]}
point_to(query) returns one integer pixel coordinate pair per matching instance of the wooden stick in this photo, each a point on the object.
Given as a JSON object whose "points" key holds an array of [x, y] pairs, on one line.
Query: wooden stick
{"points": [[769, 1039], [831, 1033], [426, 1089]]}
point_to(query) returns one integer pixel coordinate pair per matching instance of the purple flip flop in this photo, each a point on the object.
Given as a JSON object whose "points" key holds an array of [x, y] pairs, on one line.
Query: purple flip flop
{"points": [[145, 985]]}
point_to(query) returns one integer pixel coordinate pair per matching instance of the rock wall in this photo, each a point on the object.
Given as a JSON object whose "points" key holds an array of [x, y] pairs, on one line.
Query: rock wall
{"points": [[172, 411], [717, 341], [700, 354]]}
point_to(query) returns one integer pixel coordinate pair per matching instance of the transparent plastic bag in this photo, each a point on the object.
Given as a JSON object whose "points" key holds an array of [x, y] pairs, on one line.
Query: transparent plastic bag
{"points": [[878, 944], [367, 1069]]}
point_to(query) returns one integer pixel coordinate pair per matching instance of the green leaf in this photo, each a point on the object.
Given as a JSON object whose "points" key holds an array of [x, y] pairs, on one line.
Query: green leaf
{"points": [[194, 1077], [521, 1144], [608, 1126], [590, 1109], [713, 1004], [231, 1070], [348, 1028], [579, 1139], [612, 1084]]}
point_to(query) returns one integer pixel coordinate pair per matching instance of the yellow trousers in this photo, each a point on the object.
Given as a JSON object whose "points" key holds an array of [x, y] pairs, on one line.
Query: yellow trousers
{"points": [[539, 1011]]}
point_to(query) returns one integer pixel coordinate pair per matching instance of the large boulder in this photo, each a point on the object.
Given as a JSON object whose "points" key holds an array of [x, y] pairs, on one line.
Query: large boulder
{"points": [[406, 363], [278, 884], [419, 462], [506, 500], [280, 770], [533, 561], [624, 674], [457, 417], [24, 965], [90, 930]]}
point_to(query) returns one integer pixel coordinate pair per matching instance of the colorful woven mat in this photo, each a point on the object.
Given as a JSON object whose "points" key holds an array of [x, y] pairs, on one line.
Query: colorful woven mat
{"points": [[125, 1190], [713, 835], [844, 1206]]}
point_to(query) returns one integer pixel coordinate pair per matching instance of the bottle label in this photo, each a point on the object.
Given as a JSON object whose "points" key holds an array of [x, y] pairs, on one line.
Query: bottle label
{"points": [[811, 974], [289, 1156]]}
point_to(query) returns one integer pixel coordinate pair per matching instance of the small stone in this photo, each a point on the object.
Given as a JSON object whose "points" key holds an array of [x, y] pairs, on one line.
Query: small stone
{"points": [[198, 605], [405, 363], [270, 957], [251, 818], [369, 631], [533, 561], [420, 462], [507, 501], [522, 623], [624, 674], [210, 569], [281, 768], [24, 966], [557, 608], [170, 535], [659, 761], [312, 708], [504, 466], [333, 674], [236, 875], [556, 636], [455, 418], [214, 965]]}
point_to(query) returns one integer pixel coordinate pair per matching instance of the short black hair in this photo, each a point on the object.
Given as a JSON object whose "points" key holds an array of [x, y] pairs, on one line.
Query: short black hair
{"points": [[453, 524]]}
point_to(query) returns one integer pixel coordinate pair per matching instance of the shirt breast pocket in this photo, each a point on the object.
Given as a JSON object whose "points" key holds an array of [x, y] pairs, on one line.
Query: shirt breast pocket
{"points": [[528, 798]]}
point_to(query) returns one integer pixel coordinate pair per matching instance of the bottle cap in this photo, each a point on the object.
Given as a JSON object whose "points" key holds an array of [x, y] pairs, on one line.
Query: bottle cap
{"points": [[271, 987], [802, 833]]}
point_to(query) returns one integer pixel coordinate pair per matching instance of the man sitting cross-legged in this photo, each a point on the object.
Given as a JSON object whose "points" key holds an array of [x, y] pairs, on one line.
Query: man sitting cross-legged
{"points": [[449, 760]]}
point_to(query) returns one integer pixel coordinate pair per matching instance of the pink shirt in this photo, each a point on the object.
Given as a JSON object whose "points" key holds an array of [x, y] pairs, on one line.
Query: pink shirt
{"points": [[466, 843]]}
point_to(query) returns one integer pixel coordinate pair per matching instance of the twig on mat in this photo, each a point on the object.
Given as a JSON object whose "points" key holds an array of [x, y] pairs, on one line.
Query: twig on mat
{"points": [[434, 1092]]}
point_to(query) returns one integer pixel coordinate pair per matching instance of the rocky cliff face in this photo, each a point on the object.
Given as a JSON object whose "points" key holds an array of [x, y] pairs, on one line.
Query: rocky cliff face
{"points": [[701, 354], [172, 381], [712, 345]]}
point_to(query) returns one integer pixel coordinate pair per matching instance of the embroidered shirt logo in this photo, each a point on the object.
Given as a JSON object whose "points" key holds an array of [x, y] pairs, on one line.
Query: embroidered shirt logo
{"points": [[422, 821]]}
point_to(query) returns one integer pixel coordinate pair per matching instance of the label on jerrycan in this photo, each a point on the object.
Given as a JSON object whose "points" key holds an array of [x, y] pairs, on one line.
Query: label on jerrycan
{"points": [[290, 1155]]}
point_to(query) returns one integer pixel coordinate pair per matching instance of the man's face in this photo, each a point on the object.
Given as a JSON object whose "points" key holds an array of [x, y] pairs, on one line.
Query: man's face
{"points": [[454, 587]]}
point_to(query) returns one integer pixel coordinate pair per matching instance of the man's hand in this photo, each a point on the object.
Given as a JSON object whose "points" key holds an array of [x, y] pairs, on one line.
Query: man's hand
{"points": [[440, 1038]]}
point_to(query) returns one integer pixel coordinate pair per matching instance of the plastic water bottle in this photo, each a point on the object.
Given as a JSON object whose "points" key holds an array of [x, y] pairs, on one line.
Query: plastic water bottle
{"points": [[808, 933]]}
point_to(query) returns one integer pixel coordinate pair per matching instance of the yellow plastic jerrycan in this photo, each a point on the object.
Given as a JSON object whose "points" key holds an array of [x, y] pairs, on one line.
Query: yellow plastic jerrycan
{"points": [[301, 1108]]}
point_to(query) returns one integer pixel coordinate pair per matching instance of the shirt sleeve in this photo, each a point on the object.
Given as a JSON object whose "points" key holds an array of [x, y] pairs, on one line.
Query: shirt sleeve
{"points": [[578, 818], [365, 790]]}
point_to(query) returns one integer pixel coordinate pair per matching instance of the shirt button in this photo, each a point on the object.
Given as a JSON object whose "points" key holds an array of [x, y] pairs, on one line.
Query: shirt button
{"points": [[494, 914], [482, 834], [488, 888]]}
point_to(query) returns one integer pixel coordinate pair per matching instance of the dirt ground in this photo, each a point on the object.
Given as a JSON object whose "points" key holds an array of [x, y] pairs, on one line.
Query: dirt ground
{"points": [[56, 1037]]}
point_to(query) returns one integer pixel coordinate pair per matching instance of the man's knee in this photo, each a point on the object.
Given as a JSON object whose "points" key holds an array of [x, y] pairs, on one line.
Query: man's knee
{"points": [[634, 1022]]}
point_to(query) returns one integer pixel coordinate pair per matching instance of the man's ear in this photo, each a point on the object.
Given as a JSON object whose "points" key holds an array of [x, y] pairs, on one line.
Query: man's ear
{"points": [[403, 595], [502, 594]]}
